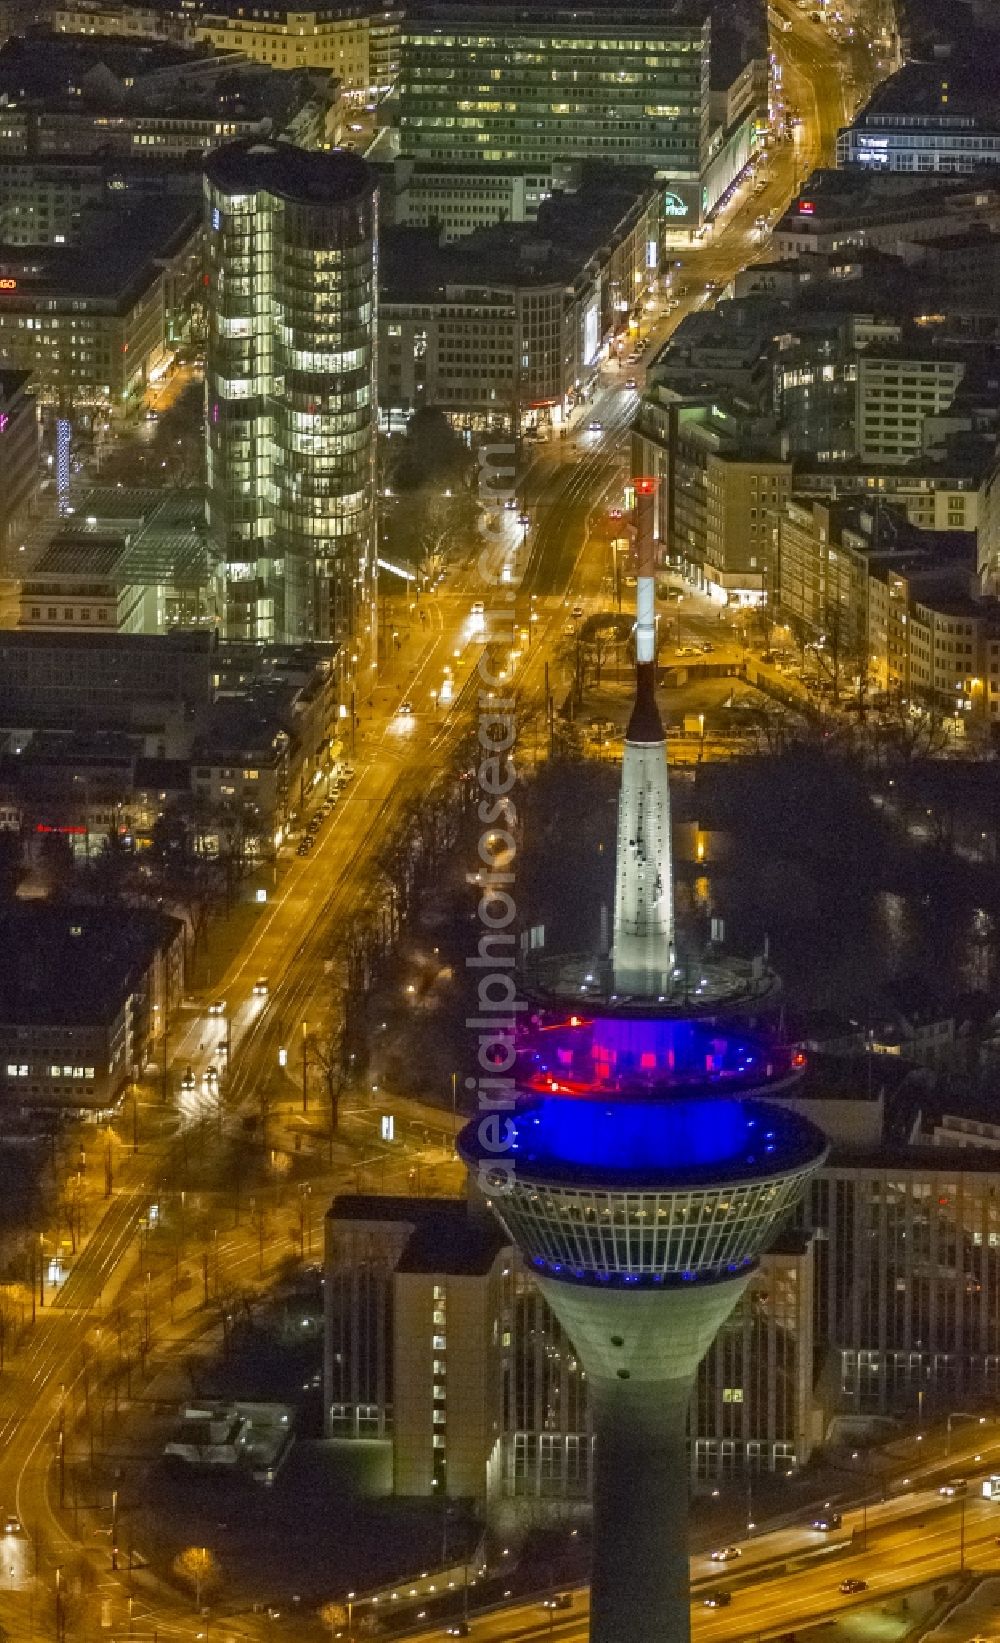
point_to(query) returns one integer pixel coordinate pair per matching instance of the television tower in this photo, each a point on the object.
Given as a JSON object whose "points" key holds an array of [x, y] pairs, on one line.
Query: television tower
{"points": [[645, 1176]]}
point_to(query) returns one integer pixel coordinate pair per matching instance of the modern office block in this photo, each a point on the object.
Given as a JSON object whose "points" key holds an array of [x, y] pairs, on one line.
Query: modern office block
{"points": [[290, 388], [500, 82]]}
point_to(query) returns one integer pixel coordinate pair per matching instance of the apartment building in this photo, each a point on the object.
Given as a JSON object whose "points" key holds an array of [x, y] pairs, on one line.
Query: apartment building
{"points": [[898, 389], [892, 605], [73, 95], [356, 42], [721, 485]]}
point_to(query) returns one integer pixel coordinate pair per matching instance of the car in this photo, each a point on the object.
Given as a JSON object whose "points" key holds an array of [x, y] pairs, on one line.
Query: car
{"points": [[853, 1585], [12, 1525], [726, 1554], [559, 1600], [827, 1520], [458, 1628], [479, 609], [347, 772], [405, 710], [717, 1600], [707, 647], [576, 612], [217, 1007], [689, 650], [210, 1081], [261, 987], [954, 1486], [188, 1079], [595, 427], [630, 383]]}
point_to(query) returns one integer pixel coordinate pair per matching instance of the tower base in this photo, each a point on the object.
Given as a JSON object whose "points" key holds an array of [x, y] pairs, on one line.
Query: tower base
{"points": [[641, 1349]]}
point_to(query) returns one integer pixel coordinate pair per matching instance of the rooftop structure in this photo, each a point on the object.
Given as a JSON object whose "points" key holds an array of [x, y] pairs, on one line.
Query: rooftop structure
{"points": [[252, 1438], [82, 93], [127, 560], [858, 207], [927, 118]]}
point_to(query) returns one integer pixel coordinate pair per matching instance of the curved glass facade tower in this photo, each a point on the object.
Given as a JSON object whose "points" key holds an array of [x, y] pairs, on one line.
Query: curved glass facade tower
{"points": [[290, 388]]}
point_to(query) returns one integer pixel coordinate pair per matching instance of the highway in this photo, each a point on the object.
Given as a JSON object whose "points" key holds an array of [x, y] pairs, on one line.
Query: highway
{"points": [[788, 1580]]}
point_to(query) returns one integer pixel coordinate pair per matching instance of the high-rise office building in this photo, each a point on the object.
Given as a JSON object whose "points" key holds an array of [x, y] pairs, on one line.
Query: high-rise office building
{"points": [[497, 82], [290, 387]]}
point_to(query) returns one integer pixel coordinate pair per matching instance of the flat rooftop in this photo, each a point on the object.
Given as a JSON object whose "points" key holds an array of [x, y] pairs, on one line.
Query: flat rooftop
{"points": [[570, 229], [953, 91], [68, 966], [446, 1235], [114, 264], [289, 173], [687, 14]]}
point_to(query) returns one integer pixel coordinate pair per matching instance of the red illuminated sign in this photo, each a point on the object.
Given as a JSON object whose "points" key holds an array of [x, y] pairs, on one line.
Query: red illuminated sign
{"points": [[43, 827], [806, 208], [644, 487]]}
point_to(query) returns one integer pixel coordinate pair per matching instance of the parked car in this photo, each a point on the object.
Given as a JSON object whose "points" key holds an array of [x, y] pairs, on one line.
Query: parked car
{"points": [[726, 1554]]}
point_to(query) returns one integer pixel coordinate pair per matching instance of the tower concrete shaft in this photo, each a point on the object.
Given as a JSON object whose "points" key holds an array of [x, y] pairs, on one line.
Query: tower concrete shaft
{"points": [[641, 1350], [645, 572], [643, 945]]}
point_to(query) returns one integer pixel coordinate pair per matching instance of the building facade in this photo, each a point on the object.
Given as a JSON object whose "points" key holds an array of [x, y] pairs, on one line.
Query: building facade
{"points": [[18, 459], [898, 389], [440, 1346], [89, 323], [291, 390], [82, 991], [720, 484], [504, 83], [504, 329], [358, 43]]}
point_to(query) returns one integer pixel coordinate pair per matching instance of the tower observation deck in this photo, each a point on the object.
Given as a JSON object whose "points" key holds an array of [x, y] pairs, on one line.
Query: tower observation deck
{"points": [[644, 1173]]}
